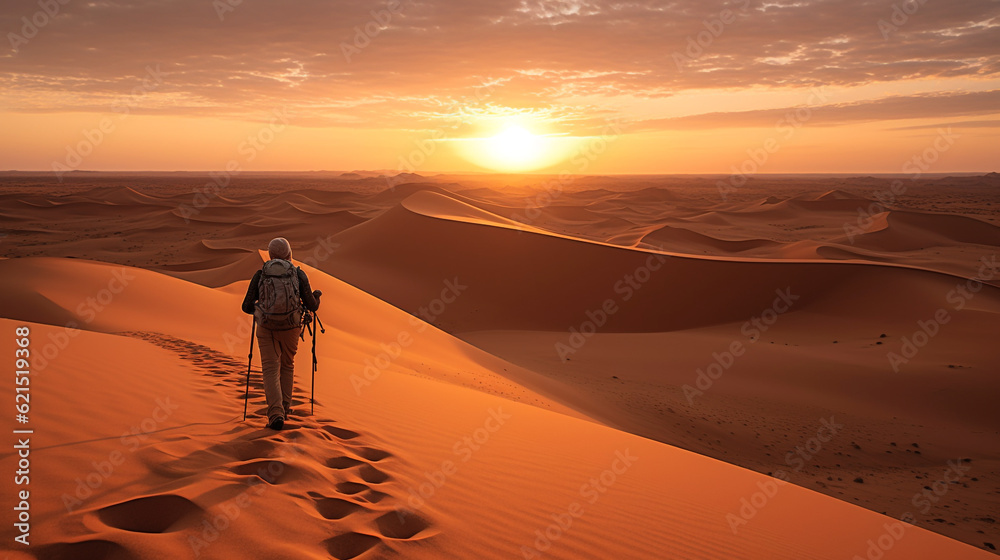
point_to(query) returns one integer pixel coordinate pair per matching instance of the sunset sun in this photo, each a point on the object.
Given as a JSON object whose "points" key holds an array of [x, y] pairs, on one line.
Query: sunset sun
{"points": [[515, 148]]}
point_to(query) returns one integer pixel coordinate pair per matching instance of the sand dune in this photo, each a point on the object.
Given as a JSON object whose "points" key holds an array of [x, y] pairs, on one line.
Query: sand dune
{"points": [[216, 271], [343, 487], [470, 308], [687, 241], [667, 291], [896, 230], [400, 191]]}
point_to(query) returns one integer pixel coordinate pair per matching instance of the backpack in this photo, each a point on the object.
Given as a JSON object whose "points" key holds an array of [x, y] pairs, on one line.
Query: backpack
{"points": [[278, 307]]}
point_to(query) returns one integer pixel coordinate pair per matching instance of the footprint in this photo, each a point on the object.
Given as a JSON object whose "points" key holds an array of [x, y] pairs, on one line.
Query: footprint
{"points": [[269, 470], [372, 475], [372, 496], [252, 454], [161, 461], [291, 434], [150, 514], [95, 549], [372, 454], [350, 545], [342, 463], [335, 508], [401, 524], [253, 449], [341, 432], [350, 488], [212, 362]]}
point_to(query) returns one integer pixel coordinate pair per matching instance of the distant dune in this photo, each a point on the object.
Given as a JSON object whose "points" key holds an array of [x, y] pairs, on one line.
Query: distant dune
{"points": [[623, 367]]}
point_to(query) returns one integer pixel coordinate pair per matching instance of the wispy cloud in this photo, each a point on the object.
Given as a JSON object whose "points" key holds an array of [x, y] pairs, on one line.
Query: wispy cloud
{"points": [[538, 52], [940, 105]]}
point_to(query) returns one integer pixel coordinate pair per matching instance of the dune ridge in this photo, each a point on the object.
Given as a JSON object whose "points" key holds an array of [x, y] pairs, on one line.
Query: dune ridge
{"points": [[463, 307], [342, 484]]}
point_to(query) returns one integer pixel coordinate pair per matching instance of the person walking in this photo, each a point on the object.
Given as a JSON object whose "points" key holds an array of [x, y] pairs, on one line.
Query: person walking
{"points": [[277, 297]]}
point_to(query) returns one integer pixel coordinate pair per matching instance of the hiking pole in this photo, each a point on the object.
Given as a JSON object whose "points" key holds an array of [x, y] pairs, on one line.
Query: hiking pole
{"points": [[322, 329], [246, 396], [312, 396]]}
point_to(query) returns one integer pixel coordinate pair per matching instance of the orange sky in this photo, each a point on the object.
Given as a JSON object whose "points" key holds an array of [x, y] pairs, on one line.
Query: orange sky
{"points": [[605, 87]]}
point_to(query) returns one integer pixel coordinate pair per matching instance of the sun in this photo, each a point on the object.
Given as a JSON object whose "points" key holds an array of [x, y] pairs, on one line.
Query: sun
{"points": [[515, 148]]}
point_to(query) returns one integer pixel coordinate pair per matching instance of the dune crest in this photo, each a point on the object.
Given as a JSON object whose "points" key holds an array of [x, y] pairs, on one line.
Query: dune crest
{"points": [[494, 346]]}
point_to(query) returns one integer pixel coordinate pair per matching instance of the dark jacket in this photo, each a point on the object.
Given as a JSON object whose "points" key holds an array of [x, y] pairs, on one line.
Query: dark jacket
{"points": [[310, 301]]}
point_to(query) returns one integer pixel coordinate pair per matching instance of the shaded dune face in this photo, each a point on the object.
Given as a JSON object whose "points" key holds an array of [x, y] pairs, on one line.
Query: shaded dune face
{"points": [[211, 240], [150, 514], [653, 292], [448, 421]]}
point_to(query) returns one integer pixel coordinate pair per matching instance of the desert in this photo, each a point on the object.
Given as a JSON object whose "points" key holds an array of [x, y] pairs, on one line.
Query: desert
{"points": [[737, 385]]}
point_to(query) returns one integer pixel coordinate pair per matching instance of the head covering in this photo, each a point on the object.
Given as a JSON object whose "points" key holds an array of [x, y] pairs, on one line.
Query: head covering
{"points": [[279, 248]]}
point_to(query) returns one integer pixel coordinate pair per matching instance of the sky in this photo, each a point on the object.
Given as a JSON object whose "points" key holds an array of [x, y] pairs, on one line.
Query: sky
{"points": [[579, 86]]}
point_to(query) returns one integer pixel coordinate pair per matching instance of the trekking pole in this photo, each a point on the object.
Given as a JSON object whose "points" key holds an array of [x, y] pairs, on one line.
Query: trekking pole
{"points": [[312, 396], [246, 396], [322, 329]]}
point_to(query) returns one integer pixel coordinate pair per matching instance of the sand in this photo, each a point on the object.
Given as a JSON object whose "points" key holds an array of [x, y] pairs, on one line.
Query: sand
{"points": [[631, 367]]}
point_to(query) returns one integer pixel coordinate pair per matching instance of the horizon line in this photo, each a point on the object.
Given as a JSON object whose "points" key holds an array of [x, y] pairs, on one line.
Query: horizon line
{"points": [[430, 174]]}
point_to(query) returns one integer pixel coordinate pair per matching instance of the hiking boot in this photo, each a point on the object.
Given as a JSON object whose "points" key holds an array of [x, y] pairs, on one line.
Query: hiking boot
{"points": [[276, 423]]}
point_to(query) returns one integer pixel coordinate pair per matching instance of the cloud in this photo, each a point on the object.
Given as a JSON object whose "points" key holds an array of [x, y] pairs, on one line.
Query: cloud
{"points": [[940, 105], [355, 62], [992, 123]]}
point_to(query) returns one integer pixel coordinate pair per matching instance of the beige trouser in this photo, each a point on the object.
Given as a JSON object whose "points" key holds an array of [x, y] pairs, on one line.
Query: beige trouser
{"points": [[277, 360]]}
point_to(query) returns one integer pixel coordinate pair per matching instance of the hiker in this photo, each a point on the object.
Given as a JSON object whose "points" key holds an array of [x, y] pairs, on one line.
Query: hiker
{"points": [[276, 297]]}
